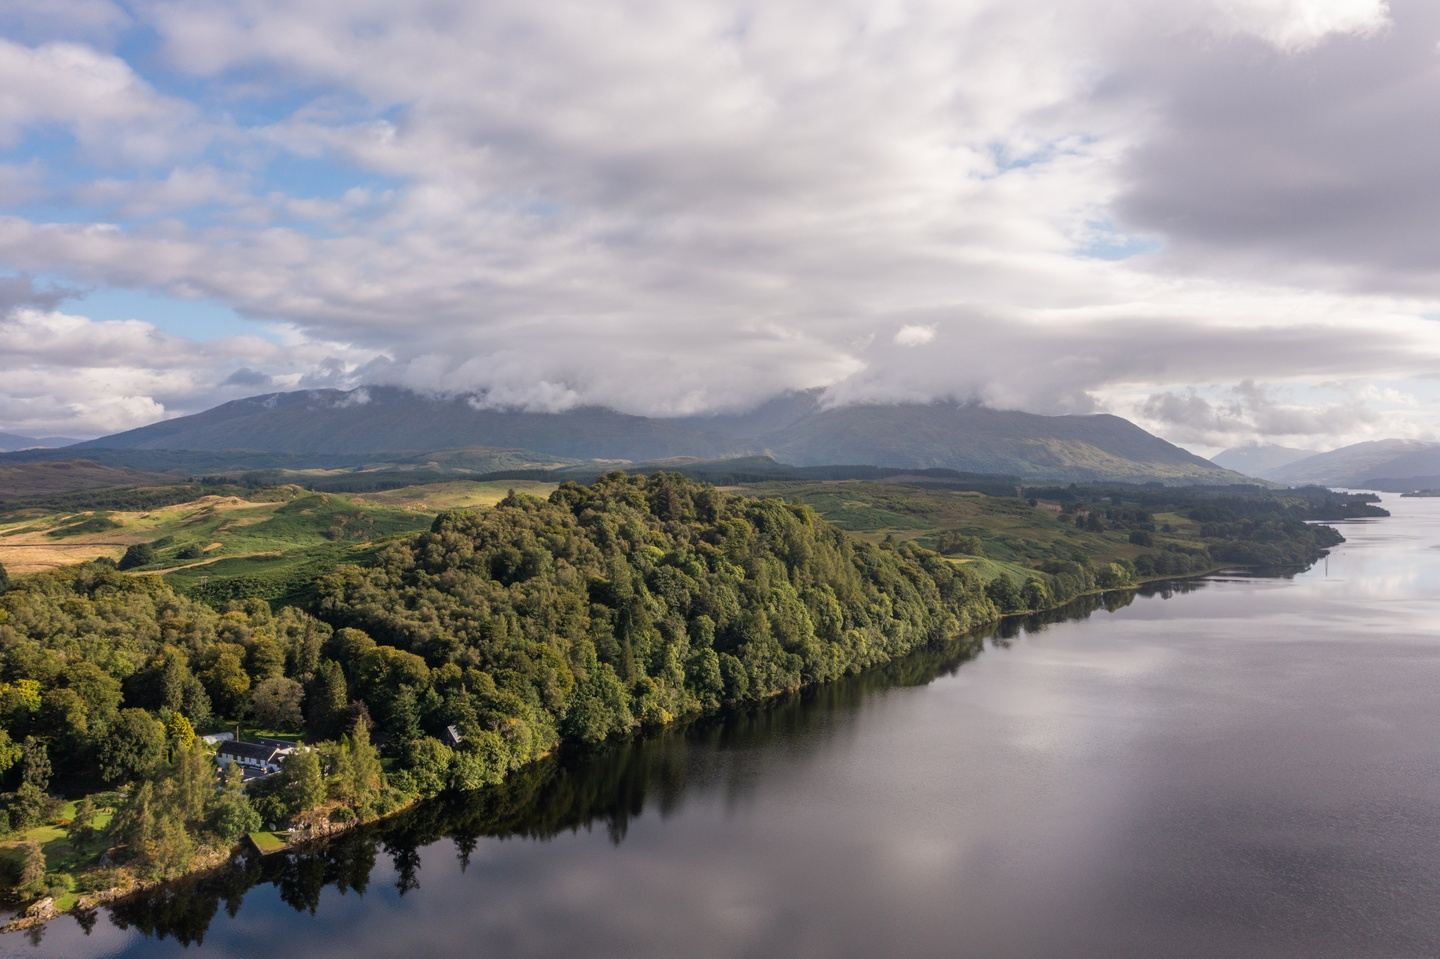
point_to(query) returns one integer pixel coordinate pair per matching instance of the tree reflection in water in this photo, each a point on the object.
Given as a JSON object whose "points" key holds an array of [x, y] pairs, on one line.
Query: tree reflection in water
{"points": [[571, 791]]}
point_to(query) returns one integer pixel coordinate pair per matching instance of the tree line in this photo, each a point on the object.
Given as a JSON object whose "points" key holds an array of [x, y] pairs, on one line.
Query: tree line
{"points": [[472, 649], [597, 612]]}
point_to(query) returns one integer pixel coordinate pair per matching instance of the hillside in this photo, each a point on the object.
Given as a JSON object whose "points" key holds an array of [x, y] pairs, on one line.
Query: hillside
{"points": [[1259, 460], [14, 441], [385, 422], [978, 439], [21, 479], [1397, 465]]}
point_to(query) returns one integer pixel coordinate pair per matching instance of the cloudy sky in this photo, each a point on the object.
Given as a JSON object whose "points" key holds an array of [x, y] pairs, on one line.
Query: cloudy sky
{"points": [[1217, 217]]}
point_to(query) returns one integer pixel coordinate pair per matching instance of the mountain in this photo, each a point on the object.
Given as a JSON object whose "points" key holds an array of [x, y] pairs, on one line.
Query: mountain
{"points": [[795, 428], [982, 440], [385, 420], [14, 441], [1259, 459], [1397, 465]]}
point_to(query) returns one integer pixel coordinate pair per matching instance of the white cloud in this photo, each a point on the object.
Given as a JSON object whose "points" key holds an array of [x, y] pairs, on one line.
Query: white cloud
{"points": [[111, 112], [69, 374], [914, 334], [1295, 25], [692, 206]]}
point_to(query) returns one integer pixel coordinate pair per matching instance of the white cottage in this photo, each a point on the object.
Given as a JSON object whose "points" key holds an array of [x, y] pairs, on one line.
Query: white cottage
{"points": [[256, 759]]}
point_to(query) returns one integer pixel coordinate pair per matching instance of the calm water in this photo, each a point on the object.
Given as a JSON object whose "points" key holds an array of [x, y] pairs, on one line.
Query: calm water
{"points": [[1244, 767]]}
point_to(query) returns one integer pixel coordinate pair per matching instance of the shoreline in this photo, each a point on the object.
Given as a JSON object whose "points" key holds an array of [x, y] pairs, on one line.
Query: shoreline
{"points": [[212, 861]]}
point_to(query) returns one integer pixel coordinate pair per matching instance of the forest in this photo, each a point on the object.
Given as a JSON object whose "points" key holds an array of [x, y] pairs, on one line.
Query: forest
{"points": [[454, 657]]}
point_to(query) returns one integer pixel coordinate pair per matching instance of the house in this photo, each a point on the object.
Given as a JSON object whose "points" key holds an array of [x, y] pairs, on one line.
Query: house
{"points": [[256, 759], [452, 737]]}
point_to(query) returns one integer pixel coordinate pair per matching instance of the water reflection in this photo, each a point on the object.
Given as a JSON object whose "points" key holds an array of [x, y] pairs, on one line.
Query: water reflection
{"points": [[575, 791]]}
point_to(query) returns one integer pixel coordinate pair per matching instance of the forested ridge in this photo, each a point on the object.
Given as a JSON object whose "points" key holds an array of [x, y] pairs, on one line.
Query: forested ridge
{"points": [[637, 600], [601, 610], [463, 653]]}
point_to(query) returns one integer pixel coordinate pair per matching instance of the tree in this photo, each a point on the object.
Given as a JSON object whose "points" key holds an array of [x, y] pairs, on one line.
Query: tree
{"points": [[429, 765], [140, 554], [82, 824], [4, 579], [10, 751], [1005, 594], [302, 782], [326, 701], [226, 681], [167, 682], [27, 806], [231, 814], [134, 746], [178, 730], [192, 776], [357, 776], [35, 767], [275, 703], [134, 823], [31, 881], [172, 848], [1035, 594], [482, 762]]}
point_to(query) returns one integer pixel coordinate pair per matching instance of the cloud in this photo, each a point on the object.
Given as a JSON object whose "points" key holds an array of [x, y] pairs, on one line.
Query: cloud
{"points": [[1248, 410], [112, 113], [914, 334], [249, 379], [66, 373], [1311, 169], [1069, 207], [1296, 25]]}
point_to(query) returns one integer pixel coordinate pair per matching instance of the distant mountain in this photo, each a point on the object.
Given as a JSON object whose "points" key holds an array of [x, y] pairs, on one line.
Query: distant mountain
{"points": [[385, 420], [1396, 465], [1259, 459], [795, 428], [14, 441]]}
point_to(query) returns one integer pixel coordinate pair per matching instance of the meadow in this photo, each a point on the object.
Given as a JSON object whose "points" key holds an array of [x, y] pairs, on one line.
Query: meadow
{"points": [[271, 543]]}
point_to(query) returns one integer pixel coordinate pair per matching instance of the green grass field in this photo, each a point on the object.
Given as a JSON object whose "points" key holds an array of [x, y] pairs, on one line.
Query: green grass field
{"points": [[62, 857], [1013, 536], [272, 544], [266, 842]]}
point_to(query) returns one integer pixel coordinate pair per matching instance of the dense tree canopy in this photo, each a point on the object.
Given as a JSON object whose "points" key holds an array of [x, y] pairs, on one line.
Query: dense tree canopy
{"points": [[626, 603]]}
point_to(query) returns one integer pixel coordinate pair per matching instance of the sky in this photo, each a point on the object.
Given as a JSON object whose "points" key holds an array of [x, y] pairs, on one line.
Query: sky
{"points": [[1214, 217]]}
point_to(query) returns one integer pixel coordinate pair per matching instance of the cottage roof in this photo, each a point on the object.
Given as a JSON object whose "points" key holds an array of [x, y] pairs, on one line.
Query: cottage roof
{"points": [[243, 750]]}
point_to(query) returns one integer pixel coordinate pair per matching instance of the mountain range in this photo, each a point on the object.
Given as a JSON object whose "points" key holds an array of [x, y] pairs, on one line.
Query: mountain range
{"points": [[795, 428], [10, 442], [1393, 465], [1259, 460]]}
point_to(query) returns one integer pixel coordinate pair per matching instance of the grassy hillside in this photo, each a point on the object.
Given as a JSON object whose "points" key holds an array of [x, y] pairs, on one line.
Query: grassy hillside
{"points": [[274, 535], [1010, 534], [22, 480], [271, 543], [1150, 531], [974, 438]]}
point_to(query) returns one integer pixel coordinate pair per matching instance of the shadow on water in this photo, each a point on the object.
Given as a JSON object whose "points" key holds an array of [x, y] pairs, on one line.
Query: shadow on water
{"points": [[574, 791]]}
